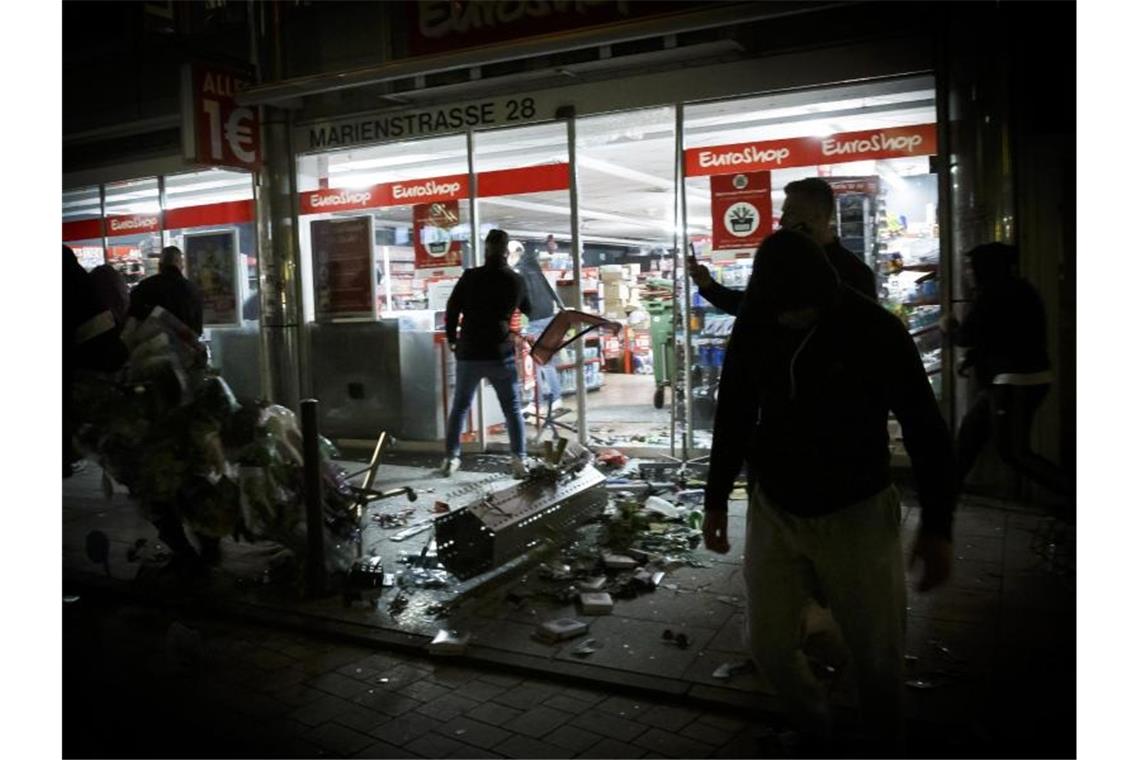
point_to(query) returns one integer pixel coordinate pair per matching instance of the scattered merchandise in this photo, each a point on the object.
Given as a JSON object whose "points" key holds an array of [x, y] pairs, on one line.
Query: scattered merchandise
{"points": [[659, 506], [680, 640], [553, 631], [586, 648], [598, 603], [593, 584], [449, 643], [619, 562], [729, 669], [391, 520], [365, 581]]}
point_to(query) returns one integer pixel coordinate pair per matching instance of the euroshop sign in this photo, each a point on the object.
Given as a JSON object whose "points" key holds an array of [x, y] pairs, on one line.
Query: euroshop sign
{"points": [[526, 179], [437, 26], [133, 224], [869, 145]]}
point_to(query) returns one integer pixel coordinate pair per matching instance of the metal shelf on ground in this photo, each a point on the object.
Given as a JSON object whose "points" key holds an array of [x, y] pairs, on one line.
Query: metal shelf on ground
{"points": [[925, 329], [934, 369]]}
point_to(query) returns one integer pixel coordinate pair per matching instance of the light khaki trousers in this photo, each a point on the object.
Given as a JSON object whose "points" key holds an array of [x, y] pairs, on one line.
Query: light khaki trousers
{"points": [[854, 559]]}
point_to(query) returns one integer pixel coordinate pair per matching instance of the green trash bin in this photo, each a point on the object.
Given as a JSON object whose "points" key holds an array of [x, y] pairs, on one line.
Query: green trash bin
{"points": [[661, 340]]}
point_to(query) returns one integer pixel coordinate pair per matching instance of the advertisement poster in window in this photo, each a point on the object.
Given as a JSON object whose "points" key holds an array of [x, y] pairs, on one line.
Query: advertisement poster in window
{"points": [[434, 240], [741, 210], [344, 268], [212, 265]]}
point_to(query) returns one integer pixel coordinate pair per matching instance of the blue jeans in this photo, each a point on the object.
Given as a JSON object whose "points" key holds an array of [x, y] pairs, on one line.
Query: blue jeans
{"points": [[549, 381], [504, 378]]}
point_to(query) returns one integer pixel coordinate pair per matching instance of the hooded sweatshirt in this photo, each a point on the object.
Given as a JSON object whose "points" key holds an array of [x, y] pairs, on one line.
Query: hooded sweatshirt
{"points": [[807, 408], [543, 299]]}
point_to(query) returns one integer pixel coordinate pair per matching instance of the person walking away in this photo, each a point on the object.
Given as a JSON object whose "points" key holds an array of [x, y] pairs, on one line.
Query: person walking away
{"points": [[1004, 333], [544, 302], [170, 290], [478, 331], [809, 207], [813, 368]]}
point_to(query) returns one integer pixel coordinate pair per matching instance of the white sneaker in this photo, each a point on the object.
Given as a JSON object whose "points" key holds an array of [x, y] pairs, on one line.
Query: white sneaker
{"points": [[450, 466], [518, 468]]}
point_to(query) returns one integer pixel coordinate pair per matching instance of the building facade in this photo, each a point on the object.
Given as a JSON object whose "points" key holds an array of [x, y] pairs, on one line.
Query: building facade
{"points": [[611, 139]]}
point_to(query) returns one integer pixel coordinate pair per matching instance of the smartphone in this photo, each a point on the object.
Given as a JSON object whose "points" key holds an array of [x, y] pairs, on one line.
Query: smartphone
{"points": [[692, 256]]}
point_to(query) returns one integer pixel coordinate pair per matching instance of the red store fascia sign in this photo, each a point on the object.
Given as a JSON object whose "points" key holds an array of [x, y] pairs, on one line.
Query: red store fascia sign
{"points": [[123, 225], [412, 192], [869, 145]]}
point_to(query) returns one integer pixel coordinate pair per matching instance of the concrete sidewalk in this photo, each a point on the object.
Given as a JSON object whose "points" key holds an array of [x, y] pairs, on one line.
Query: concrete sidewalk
{"points": [[995, 650]]}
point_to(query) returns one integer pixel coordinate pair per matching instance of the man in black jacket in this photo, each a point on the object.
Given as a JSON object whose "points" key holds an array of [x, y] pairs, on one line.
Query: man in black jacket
{"points": [[484, 346], [809, 207], [1004, 333], [170, 290], [812, 370]]}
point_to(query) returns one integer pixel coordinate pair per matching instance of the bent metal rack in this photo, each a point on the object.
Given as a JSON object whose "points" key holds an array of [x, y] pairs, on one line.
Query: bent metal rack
{"points": [[508, 519]]}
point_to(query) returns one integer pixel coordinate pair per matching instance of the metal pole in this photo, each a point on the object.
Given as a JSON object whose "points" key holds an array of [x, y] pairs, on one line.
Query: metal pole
{"points": [[103, 218], [163, 239], [314, 513], [678, 191], [477, 253], [946, 243], [576, 260], [683, 312]]}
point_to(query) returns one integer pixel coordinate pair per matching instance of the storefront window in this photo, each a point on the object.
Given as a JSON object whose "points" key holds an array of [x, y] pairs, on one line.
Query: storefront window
{"points": [[210, 216], [524, 189], [133, 224], [627, 180], [83, 225], [385, 232], [872, 143], [386, 186]]}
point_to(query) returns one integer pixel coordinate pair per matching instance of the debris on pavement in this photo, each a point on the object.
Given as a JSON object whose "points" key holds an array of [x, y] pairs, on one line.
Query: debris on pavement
{"points": [[392, 520], [554, 631], [921, 683], [596, 603], [612, 457], [593, 584], [619, 562], [680, 640], [448, 642], [729, 669], [364, 582], [586, 648], [398, 604]]}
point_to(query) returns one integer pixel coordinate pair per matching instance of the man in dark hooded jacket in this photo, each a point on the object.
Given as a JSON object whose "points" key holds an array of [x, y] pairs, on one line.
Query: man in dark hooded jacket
{"points": [[1004, 333], [812, 370]]}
